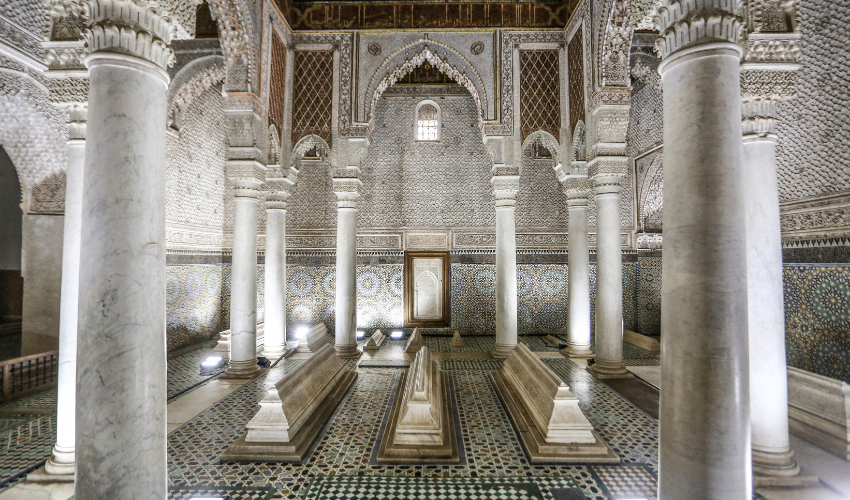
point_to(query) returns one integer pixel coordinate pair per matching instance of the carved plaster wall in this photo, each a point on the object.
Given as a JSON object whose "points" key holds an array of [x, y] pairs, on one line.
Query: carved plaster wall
{"points": [[814, 147], [197, 196]]}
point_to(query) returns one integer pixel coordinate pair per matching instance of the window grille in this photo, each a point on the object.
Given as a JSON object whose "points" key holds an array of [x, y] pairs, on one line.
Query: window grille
{"points": [[427, 123]]}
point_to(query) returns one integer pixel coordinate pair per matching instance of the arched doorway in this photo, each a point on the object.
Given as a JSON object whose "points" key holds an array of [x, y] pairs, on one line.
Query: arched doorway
{"points": [[11, 282]]}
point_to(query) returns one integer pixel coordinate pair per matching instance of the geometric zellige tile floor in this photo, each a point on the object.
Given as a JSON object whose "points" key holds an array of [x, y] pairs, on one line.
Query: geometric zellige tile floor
{"points": [[496, 466]]}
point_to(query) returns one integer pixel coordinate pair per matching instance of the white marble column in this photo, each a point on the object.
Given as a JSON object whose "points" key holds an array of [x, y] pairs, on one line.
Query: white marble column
{"points": [[246, 178], [347, 192], [609, 277], [121, 383], [705, 401], [577, 188], [505, 188], [772, 453], [275, 288], [62, 460]]}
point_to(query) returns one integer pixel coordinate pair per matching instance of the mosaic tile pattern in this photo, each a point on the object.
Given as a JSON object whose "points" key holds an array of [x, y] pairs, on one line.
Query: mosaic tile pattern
{"points": [[25, 448], [185, 371], [340, 463], [628, 430], [229, 493], [197, 302], [817, 319], [368, 488], [198, 298], [193, 302], [628, 482], [648, 306], [635, 356], [311, 292]]}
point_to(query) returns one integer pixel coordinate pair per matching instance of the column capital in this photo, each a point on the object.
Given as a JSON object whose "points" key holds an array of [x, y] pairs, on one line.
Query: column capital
{"points": [[246, 176], [347, 190], [577, 188], [129, 27], [76, 123], [686, 23], [768, 78], [505, 189], [607, 169], [278, 186]]}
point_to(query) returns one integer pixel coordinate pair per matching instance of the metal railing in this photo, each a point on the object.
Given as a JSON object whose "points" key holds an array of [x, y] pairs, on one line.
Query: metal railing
{"points": [[22, 376]]}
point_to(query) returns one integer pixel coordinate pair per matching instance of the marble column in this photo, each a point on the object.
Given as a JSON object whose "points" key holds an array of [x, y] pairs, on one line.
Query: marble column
{"points": [[505, 188], [348, 192], [61, 461], [246, 177], [772, 453], [705, 404], [609, 277], [121, 383], [577, 188], [275, 288]]}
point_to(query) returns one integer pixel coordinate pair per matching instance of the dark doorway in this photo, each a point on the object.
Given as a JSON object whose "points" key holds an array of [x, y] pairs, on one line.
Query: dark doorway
{"points": [[11, 282]]}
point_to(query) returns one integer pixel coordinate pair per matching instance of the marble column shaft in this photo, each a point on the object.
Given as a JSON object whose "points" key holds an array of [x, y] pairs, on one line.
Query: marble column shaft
{"points": [[243, 285], [275, 286], [505, 190], [609, 279], [121, 382], [346, 278], [766, 308], [705, 404], [578, 255], [62, 460]]}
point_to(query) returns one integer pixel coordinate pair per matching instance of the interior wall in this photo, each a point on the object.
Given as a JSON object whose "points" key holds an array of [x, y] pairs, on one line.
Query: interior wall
{"points": [[42, 271]]}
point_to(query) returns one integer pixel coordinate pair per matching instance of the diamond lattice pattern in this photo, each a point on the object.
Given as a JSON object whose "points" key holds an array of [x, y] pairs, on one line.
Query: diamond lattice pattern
{"points": [[277, 82], [312, 95], [540, 95], [575, 63]]}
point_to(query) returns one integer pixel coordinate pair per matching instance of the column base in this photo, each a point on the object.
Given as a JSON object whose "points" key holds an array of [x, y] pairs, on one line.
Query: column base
{"points": [[502, 351], [241, 370], [347, 351], [766, 463], [41, 476], [578, 351], [273, 351], [609, 369]]}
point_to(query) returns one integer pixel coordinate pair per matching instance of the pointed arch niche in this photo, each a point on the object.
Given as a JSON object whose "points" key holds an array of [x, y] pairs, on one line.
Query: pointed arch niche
{"points": [[442, 57]]}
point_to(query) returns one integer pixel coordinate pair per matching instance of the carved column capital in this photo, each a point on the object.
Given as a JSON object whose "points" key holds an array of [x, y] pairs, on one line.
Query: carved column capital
{"points": [[76, 121], [246, 177], [278, 187], [687, 23], [505, 189], [347, 190], [577, 189], [128, 27]]}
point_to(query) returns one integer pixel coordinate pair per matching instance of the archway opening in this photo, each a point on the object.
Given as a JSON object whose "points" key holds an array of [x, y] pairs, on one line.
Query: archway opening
{"points": [[11, 282]]}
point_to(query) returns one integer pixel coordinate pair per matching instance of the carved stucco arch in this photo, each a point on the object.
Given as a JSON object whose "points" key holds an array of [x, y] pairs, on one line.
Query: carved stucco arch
{"points": [[33, 134], [549, 142], [580, 142], [274, 146], [617, 24], [307, 143], [190, 82], [236, 35], [443, 57], [651, 194]]}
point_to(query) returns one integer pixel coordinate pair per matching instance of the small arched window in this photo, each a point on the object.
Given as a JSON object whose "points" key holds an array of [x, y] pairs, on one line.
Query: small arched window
{"points": [[428, 121]]}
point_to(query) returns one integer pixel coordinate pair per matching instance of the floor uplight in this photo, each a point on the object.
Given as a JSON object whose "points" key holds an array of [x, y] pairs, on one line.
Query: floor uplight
{"points": [[301, 332], [397, 334], [360, 334]]}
